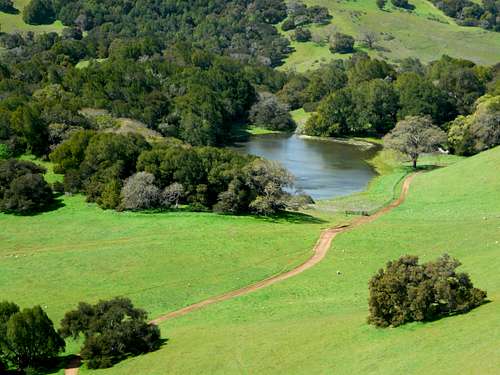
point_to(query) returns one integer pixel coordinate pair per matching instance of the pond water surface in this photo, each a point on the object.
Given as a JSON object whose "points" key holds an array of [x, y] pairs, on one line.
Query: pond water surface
{"points": [[323, 168]]}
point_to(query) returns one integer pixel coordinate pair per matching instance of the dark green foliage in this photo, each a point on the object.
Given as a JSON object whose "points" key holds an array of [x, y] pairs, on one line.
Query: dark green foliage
{"points": [[419, 96], [369, 108], [381, 3], [341, 43], [406, 291], [113, 330], [402, 4], [300, 15], [271, 114], [23, 189], [461, 79], [39, 12], [7, 6], [301, 35], [365, 96], [468, 135], [27, 337], [468, 13]]}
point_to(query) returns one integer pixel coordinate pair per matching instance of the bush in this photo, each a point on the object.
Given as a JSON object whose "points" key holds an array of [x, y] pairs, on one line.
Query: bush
{"points": [[112, 329], [7, 6], [341, 43], [289, 24], [301, 35], [39, 12], [22, 187], [406, 291]]}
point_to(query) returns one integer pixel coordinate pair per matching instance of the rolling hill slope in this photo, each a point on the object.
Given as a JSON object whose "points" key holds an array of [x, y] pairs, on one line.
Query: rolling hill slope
{"points": [[426, 33], [316, 322]]}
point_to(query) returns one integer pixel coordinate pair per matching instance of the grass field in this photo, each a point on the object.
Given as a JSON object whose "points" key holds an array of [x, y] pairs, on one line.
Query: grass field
{"points": [[14, 22], [425, 33], [316, 323]]}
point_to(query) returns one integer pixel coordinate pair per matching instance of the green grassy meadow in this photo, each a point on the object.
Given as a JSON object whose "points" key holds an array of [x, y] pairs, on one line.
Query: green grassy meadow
{"points": [[14, 22], [426, 33], [316, 323]]}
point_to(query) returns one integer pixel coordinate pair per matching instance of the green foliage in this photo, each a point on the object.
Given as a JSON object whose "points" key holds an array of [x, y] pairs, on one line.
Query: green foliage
{"points": [[270, 113], [39, 12], [413, 136], [405, 291], [479, 131], [341, 43], [468, 13], [7, 6], [381, 3], [419, 96], [4, 151], [113, 330], [301, 35], [27, 337], [23, 189]]}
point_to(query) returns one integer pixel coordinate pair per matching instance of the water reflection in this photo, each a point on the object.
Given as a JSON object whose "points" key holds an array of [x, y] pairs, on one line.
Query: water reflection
{"points": [[323, 169]]}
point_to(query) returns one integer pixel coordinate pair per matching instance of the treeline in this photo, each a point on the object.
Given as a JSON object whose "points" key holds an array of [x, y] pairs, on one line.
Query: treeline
{"points": [[364, 96], [485, 14], [126, 172], [184, 93], [112, 330], [239, 28]]}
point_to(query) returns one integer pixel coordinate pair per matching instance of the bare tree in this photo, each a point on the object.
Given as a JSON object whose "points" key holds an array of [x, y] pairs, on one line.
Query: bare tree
{"points": [[139, 192], [172, 194], [369, 39], [413, 136]]}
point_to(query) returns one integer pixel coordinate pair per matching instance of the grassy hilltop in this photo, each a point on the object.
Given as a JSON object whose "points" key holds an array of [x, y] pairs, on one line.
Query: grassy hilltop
{"points": [[426, 33], [316, 323]]}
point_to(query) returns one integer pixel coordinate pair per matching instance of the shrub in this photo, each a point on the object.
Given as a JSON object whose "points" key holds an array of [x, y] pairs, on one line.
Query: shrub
{"points": [[289, 24], [406, 291], [39, 12], [7, 6], [341, 43], [22, 187], [112, 329], [301, 35]]}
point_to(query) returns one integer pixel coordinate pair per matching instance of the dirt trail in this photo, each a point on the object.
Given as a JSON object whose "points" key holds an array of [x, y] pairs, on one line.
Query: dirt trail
{"points": [[320, 250]]}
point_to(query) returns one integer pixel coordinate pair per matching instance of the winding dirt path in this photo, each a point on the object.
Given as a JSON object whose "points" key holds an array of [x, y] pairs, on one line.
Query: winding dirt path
{"points": [[320, 250]]}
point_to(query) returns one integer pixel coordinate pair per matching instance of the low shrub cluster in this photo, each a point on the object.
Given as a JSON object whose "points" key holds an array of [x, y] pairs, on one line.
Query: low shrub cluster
{"points": [[407, 291]]}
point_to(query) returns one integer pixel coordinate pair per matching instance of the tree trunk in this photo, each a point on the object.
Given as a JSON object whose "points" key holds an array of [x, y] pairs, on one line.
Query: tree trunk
{"points": [[415, 163]]}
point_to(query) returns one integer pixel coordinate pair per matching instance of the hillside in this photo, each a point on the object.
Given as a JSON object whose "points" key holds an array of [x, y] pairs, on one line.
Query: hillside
{"points": [[425, 33], [316, 323]]}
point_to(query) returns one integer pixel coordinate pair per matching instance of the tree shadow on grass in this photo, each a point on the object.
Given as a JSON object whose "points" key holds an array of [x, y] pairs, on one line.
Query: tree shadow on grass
{"points": [[10, 10], [292, 217], [54, 206]]}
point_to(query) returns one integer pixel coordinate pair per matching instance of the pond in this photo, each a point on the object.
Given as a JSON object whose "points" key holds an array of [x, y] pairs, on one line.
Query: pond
{"points": [[323, 168]]}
